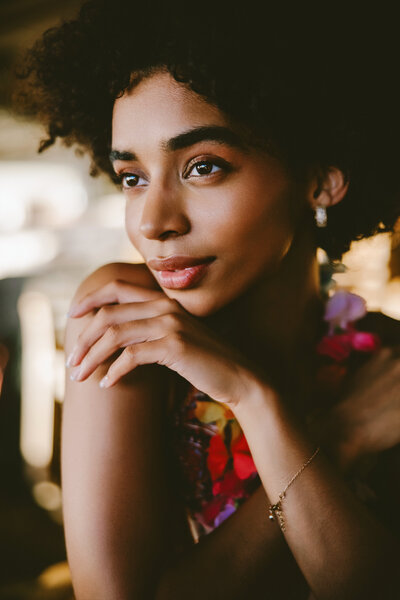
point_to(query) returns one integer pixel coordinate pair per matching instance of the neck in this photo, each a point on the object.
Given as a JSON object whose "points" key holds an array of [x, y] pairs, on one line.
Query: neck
{"points": [[277, 322]]}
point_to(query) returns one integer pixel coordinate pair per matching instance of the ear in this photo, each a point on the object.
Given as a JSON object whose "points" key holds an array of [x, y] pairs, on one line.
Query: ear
{"points": [[328, 190]]}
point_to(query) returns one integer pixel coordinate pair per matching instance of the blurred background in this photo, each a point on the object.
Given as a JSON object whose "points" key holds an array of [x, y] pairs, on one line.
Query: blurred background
{"points": [[56, 225]]}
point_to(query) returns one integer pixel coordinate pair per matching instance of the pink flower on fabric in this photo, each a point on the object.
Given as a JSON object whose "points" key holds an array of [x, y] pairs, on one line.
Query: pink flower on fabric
{"points": [[341, 345], [344, 308], [364, 341]]}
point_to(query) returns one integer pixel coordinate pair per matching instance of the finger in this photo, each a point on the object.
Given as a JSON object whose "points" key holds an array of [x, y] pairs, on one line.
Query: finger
{"points": [[115, 338], [114, 292], [114, 315], [146, 353]]}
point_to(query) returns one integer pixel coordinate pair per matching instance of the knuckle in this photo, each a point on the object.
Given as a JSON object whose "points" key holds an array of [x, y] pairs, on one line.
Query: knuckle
{"points": [[130, 352], [113, 285], [113, 332], [103, 315], [172, 320]]}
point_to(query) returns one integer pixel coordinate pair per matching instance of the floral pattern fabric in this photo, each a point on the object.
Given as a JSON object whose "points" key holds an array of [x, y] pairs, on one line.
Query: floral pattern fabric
{"points": [[218, 471]]}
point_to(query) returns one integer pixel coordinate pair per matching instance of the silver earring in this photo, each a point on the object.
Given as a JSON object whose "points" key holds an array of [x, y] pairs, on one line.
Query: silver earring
{"points": [[321, 217]]}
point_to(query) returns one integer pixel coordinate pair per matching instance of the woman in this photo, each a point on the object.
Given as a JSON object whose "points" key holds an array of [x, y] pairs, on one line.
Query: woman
{"points": [[216, 381]]}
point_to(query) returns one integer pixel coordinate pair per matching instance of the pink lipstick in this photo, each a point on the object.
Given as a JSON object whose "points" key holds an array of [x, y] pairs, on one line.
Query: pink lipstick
{"points": [[180, 272]]}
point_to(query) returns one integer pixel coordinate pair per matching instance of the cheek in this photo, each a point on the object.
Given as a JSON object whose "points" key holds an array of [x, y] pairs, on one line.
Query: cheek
{"points": [[132, 221], [254, 218]]}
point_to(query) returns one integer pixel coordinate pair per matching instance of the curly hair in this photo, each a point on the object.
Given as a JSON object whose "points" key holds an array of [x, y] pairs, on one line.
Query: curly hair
{"points": [[317, 93]]}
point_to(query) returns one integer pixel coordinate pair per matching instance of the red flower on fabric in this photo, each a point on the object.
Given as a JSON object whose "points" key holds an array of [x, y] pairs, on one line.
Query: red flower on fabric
{"points": [[341, 345], [337, 347], [212, 509], [243, 462], [230, 486], [218, 457]]}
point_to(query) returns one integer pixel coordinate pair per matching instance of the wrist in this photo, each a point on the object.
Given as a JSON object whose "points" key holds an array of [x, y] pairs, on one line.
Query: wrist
{"points": [[254, 392]]}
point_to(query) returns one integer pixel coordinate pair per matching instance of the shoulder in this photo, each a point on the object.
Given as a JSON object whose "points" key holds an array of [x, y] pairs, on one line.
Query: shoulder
{"points": [[137, 274], [385, 327]]}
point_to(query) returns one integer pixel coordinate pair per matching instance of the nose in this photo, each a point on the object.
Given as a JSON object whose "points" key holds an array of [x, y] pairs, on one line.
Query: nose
{"points": [[163, 214]]}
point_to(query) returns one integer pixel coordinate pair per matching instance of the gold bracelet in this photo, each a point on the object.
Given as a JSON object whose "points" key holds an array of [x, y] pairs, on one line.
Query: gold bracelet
{"points": [[275, 510]]}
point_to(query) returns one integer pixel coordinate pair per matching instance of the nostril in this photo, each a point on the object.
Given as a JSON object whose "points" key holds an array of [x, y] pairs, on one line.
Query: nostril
{"points": [[168, 234]]}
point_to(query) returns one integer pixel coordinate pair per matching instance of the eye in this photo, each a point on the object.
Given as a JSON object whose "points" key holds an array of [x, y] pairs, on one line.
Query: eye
{"points": [[203, 168], [130, 180]]}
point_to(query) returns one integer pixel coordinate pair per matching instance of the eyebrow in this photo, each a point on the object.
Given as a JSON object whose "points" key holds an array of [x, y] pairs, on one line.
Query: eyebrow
{"points": [[212, 133]]}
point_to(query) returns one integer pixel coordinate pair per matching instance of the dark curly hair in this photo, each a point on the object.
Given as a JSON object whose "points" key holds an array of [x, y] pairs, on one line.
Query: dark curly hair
{"points": [[316, 92]]}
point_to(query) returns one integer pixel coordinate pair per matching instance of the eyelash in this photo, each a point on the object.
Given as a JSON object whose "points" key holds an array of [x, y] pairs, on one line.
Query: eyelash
{"points": [[221, 164]]}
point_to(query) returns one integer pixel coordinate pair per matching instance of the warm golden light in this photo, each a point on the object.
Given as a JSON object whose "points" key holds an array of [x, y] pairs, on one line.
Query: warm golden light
{"points": [[37, 378]]}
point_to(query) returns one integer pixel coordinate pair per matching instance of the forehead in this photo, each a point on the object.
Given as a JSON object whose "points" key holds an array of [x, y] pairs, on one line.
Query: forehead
{"points": [[159, 108]]}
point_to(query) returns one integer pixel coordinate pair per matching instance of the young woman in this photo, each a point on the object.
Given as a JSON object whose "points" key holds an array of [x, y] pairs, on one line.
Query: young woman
{"points": [[215, 394]]}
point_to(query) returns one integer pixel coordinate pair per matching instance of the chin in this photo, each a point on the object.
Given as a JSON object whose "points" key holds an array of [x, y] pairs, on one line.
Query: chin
{"points": [[197, 302]]}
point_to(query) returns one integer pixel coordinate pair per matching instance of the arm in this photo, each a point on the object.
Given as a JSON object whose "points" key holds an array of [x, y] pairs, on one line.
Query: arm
{"points": [[342, 551], [119, 510], [125, 528], [345, 535]]}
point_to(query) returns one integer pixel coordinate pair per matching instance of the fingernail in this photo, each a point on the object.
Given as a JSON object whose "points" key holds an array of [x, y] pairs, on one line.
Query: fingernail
{"points": [[104, 382], [76, 373], [68, 362]]}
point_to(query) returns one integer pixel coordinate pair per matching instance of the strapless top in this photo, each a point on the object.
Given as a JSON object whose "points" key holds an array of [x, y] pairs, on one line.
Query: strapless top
{"points": [[217, 470]]}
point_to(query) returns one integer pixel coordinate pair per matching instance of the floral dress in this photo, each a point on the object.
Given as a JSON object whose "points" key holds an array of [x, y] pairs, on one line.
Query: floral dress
{"points": [[217, 470]]}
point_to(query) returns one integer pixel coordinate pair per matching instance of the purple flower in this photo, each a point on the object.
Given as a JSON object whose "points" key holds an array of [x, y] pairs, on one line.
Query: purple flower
{"points": [[224, 514], [344, 308]]}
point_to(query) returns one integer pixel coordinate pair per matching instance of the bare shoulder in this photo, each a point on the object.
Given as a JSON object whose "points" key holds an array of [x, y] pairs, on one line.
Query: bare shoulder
{"points": [[137, 274]]}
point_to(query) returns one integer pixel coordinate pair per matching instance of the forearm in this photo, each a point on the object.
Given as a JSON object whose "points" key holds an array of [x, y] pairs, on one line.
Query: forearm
{"points": [[245, 557], [342, 551]]}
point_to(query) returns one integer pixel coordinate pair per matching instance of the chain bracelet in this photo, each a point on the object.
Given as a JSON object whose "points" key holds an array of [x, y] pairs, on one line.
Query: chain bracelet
{"points": [[275, 510]]}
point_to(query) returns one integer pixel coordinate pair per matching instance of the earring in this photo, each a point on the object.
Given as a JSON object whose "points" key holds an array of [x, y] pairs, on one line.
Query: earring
{"points": [[321, 217]]}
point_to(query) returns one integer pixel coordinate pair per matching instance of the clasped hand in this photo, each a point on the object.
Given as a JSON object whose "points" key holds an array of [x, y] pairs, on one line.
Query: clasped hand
{"points": [[148, 327]]}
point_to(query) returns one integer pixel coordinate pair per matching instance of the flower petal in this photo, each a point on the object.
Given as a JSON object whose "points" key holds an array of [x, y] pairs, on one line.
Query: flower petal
{"points": [[244, 465], [224, 514], [209, 411], [337, 347], [344, 308], [217, 457], [365, 341]]}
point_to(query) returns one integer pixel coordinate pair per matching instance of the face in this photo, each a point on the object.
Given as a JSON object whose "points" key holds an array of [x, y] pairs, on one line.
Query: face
{"points": [[209, 215]]}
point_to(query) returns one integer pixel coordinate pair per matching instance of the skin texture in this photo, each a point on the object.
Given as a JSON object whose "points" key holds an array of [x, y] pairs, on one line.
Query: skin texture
{"points": [[228, 215], [239, 335]]}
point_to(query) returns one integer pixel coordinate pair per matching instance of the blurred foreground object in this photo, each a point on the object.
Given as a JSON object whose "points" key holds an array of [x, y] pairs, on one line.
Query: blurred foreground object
{"points": [[3, 363]]}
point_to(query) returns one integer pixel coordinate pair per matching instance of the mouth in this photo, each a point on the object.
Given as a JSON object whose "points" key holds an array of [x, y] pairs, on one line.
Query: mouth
{"points": [[180, 272]]}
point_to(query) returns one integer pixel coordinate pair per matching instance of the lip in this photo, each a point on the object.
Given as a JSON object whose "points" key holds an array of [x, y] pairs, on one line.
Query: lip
{"points": [[180, 272], [177, 262]]}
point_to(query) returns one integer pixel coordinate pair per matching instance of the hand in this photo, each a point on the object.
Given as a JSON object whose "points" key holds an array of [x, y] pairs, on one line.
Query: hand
{"points": [[152, 328], [367, 420]]}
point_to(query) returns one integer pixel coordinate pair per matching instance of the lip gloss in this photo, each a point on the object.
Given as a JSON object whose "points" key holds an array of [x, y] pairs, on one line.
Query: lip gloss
{"points": [[183, 278]]}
